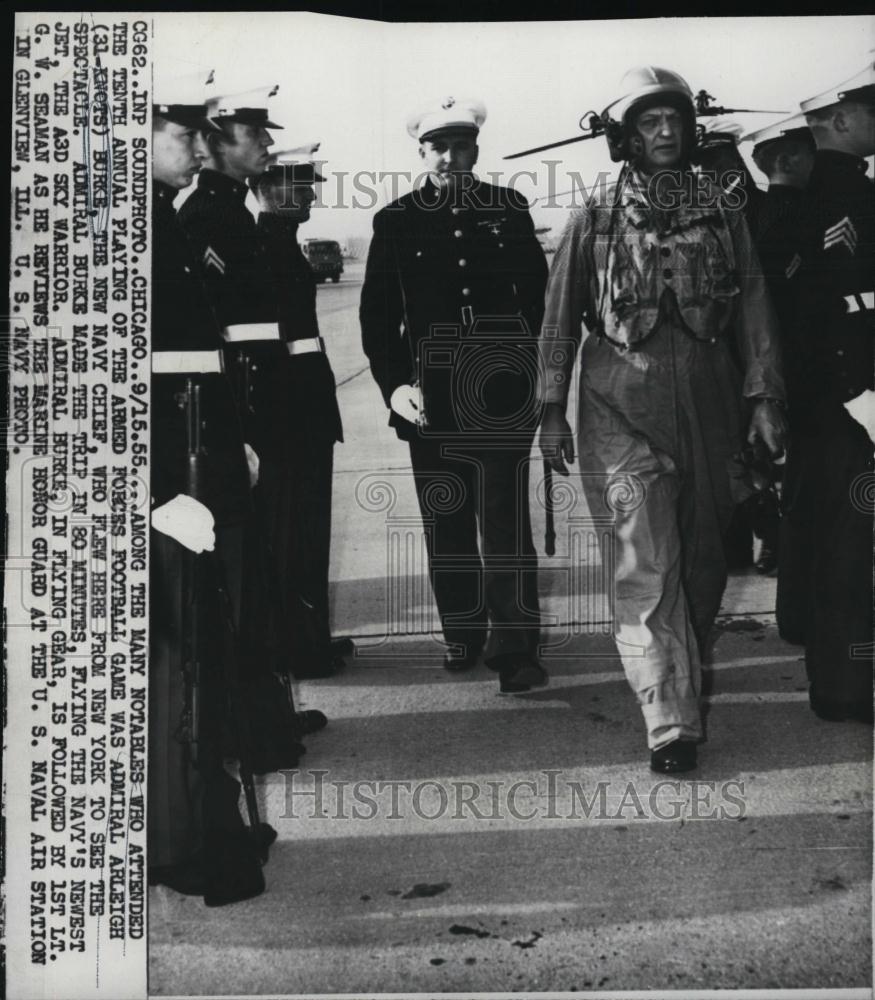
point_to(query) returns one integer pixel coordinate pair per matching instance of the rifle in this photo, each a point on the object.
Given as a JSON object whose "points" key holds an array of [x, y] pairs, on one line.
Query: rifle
{"points": [[262, 833], [190, 604]]}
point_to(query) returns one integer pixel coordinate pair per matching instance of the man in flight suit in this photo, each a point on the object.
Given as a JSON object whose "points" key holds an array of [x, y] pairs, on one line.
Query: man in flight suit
{"points": [[451, 305], [197, 841], [299, 517], [661, 291], [834, 443]]}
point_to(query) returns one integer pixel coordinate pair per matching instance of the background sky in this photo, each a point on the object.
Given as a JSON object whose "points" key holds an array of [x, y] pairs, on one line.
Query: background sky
{"points": [[352, 84]]}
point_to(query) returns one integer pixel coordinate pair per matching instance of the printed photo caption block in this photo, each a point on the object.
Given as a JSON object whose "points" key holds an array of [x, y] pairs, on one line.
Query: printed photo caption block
{"points": [[76, 581]]}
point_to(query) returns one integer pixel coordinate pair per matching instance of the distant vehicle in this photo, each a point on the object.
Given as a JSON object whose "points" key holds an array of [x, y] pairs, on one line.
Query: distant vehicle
{"points": [[325, 258]]}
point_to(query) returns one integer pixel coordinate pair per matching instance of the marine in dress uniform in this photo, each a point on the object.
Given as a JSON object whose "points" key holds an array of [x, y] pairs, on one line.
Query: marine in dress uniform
{"points": [[717, 153], [661, 292], [197, 841], [222, 230], [299, 522], [450, 308], [834, 441], [784, 151]]}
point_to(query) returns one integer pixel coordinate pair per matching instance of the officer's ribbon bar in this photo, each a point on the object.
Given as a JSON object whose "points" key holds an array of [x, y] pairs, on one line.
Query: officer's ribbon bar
{"points": [[842, 232]]}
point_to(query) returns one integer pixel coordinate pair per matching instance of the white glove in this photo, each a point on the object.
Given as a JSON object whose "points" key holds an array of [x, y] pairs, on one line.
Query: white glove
{"points": [[862, 409], [406, 401], [188, 521], [254, 463]]}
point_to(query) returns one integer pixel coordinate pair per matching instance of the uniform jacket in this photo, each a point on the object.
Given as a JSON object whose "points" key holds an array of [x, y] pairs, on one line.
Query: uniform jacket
{"points": [[783, 237], [182, 319], [468, 269], [839, 324], [310, 390], [243, 294], [621, 261]]}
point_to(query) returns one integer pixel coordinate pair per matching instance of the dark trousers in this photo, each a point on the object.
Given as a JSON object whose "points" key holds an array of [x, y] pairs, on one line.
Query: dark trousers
{"points": [[191, 795], [294, 495], [825, 591], [465, 491]]}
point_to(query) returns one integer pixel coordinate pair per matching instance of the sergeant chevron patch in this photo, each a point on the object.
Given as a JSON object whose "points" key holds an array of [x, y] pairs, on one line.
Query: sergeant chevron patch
{"points": [[793, 266], [212, 259], [841, 232]]}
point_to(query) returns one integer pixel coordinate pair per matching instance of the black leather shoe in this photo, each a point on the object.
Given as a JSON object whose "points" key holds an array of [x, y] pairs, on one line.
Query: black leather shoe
{"points": [[284, 755], [187, 877], [456, 663], [521, 675], [831, 711], [318, 671], [233, 868], [674, 758], [342, 646], [767, 561], [310, 721]]}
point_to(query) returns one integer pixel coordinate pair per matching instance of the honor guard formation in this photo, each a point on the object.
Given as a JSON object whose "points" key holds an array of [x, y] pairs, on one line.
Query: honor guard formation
{"points": [[716, 327]]}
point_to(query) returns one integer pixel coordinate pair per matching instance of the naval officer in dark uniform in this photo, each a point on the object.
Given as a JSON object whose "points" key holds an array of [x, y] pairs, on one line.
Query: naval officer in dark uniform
{"points": [[300, 487], [197, 841], [835, 442], [450, 313]]}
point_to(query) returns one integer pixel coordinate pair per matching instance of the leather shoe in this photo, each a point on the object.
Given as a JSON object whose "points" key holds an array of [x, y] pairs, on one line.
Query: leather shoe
{"points": [[521, 675], [342, 646], [233, 868], [767, 561], [310, 721], [283, 755], [674, 758], [186, 877], [456, 663], [831, 711]]}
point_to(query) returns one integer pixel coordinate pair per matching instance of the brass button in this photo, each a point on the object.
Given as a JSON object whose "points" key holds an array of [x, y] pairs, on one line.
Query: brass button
{"points": [[455, 211], [466, 291], [500, 245], [457, 233], [462, 262]]}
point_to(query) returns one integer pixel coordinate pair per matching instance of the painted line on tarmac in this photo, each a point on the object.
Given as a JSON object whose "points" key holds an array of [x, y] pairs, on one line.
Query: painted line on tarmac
{"points": [[481, 910], [753, 697]]}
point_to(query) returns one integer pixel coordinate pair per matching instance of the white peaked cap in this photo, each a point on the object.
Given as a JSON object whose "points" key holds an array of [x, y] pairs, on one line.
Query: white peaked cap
{"points": [[450, 112], [861, 86]]}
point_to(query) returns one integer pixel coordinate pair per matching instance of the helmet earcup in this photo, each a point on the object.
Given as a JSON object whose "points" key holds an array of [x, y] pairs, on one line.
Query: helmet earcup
{"points": [[616, 136]]}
